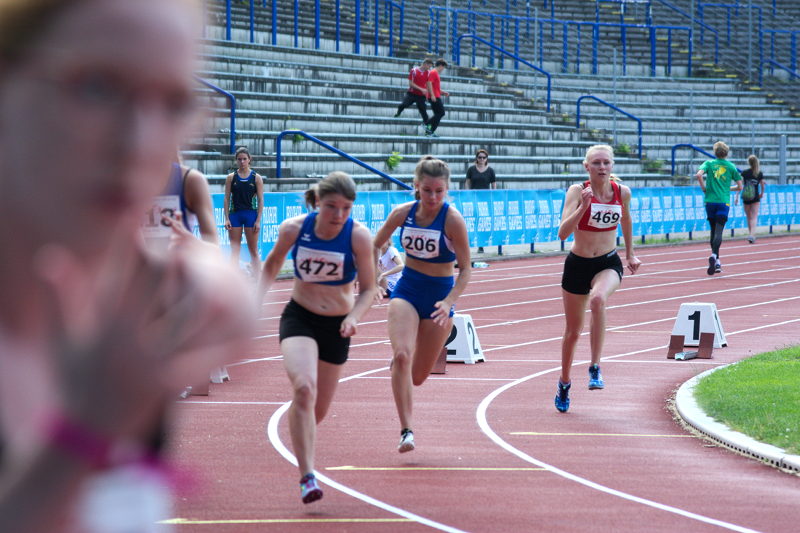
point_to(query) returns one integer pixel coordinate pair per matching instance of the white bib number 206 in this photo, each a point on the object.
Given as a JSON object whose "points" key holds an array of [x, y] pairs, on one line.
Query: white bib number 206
{"points": [[605, 215], [315, 266], [420, 242]]}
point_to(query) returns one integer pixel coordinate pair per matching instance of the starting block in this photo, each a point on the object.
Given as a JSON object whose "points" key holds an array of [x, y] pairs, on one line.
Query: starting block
{"points": [[462, 345], [676, 345], [696, 318]]}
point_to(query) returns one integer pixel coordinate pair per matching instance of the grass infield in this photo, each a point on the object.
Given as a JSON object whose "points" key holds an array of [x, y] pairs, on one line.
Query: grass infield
{"points": [[759, 397]]}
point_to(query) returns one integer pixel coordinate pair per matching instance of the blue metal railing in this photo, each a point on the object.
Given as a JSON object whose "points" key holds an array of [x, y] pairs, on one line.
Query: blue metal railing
{"points": [[792, 45], [774, 64], [278, 156], [615, 108], [232, 100], [457, 59], [361, 7], [693, 147], [702, 25], [501, 23]]}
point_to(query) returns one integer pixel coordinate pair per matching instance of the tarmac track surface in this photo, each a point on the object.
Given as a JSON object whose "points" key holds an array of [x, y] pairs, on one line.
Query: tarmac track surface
{"points": [[493, 454]]}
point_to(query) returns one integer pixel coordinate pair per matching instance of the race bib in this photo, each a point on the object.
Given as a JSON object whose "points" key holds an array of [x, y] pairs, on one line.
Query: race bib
{"points": [[153, 226], [421, 243], [317, 266], [605, 216]]}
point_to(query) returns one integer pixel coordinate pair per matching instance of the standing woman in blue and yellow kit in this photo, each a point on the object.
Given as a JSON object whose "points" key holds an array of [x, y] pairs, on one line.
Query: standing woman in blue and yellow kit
{"points": [[329, 250], [244, 203], [434, 236]]}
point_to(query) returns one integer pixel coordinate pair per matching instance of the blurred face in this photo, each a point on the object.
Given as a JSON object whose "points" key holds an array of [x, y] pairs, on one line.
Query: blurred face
{"points": [[432, 191], [334, 209], [481, 158], [599, 164], [91, 115]]}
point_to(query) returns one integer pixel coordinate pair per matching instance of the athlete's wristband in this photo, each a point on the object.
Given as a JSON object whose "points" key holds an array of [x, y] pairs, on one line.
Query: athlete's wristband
{"points": [[88, 446]]}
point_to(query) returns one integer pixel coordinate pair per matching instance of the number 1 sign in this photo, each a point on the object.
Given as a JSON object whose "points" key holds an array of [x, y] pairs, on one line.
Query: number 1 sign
{"points": [[695, 318]]}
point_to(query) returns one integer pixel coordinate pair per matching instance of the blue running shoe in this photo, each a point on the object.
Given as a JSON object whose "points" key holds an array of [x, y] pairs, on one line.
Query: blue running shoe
{"points": [[562, 397], [595, 378], [309, 490]]}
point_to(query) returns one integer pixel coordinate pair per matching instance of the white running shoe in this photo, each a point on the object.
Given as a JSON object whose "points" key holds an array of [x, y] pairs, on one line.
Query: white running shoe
{"points": [[406, 441]]}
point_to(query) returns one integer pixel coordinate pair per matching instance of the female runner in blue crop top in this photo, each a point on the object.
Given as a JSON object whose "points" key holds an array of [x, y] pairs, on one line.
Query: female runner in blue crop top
{"points": [[434, 236], [330, 250]]}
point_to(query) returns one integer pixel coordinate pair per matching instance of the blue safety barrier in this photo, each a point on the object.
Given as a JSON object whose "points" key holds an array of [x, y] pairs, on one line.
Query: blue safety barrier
{"points": [[502, 217]]}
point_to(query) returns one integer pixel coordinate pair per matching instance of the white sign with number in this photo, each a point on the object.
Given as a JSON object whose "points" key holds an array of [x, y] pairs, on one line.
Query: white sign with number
{"points": [[695, 318], [463, 345]]}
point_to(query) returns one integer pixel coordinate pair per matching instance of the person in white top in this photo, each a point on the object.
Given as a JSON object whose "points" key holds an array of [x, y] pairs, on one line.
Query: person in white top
{"points": [[390, 265]]}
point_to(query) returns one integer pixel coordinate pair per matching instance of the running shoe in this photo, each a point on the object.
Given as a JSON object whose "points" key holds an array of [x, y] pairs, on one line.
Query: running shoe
{"points": [[751, 239], [309, 490], [595, 378], [562, 397], [717, 267], [396, 115], [406, 441], [712, 265]]}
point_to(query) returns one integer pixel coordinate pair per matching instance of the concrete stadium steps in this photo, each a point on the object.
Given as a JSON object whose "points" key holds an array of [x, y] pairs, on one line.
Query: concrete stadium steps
{"points": [[348, 100]]}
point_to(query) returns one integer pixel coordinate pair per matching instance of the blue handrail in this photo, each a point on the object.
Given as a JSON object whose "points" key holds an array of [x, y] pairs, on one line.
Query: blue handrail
{"points": [[457, 54], [232, 100], [333, 149], [687, 145], [774, 64], [615, 108], [701, 23]]}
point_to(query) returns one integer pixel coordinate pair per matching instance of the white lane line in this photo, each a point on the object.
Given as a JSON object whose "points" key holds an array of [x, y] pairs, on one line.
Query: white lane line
{"points": [[274, 439], [489, 432]]}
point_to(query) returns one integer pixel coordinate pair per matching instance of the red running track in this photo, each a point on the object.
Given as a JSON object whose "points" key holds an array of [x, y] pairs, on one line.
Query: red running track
{"points": [[493, 455]]}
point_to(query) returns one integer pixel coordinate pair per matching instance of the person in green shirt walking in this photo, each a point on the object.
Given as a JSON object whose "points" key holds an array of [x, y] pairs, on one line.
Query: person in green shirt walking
{"points": [[715, 178]]}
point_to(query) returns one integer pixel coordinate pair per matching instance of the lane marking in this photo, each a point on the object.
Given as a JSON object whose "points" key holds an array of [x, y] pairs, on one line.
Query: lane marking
{"points": [[187, 521], [209, 402], [435, 468], [494, 437], [539, 434], [274, 439]]}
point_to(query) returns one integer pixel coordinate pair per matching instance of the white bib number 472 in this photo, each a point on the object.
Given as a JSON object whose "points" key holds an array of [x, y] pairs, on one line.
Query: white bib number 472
{"points": [[315, 266]]}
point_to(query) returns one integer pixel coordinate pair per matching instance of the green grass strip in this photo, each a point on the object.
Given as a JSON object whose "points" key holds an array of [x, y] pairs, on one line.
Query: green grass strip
{"points": [[759, 397]]}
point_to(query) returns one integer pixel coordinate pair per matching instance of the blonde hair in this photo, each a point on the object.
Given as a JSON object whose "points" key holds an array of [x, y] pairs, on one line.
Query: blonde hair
{"points": [[431, 167], [337, 182], [755, 165], [597, 148], [721, 150]]}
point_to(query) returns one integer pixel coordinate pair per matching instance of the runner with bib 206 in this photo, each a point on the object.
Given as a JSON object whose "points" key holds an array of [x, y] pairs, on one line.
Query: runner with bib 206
{"points": [[434, 236]]}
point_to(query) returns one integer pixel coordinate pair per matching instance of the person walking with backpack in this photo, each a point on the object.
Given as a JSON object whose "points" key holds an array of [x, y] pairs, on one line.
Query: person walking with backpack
{"points": [[751, 194], [719, 173]]}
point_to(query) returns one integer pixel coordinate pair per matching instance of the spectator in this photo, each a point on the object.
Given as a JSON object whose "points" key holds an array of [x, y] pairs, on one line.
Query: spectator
{"points": [[481, 176], [96, 335], [435, 94], [417, 90], [751, 194], [718, 173]]}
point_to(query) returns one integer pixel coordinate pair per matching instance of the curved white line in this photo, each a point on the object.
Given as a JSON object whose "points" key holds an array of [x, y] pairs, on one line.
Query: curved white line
{"points": [[484, 425], [274, 439]]}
